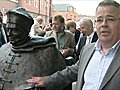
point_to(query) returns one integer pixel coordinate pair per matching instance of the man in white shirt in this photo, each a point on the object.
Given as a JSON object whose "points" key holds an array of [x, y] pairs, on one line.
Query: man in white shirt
{"points": [[86, 26], [98, 67], [90, 36], [37, 27]]}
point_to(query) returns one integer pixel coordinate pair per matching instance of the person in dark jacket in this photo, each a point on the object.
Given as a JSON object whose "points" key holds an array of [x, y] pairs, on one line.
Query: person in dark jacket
{"points": [[90, 36], [98, 67], [3, 33]]}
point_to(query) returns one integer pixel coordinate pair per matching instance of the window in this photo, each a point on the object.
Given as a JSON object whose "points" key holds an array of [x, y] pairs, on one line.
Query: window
{"points": [[29, 2], [36, 3]]}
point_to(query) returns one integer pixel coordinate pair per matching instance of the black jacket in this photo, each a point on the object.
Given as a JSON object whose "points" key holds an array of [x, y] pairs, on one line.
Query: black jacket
{"points": [[82, 43]]}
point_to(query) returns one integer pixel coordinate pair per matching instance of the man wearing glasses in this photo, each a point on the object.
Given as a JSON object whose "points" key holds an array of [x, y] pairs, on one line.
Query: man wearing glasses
{"points": [[98, 67]]}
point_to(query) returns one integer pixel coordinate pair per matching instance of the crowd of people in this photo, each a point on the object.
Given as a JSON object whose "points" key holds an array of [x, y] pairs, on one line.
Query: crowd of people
{"points": [[84, 55]]}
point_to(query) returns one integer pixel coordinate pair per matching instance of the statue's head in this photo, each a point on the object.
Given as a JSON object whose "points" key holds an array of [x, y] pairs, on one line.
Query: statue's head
{"points": [[19, 23]]}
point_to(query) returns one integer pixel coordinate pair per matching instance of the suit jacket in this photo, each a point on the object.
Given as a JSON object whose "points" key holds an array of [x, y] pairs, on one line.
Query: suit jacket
{"points": [[2, 40], [3, 35], [82, 43], [83, 40], [77, 35], [110, 81], [38, 30], [69, 40]]}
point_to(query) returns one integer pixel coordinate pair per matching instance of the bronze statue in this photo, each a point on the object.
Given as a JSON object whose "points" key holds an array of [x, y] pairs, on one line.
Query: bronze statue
{"points": [[24, 56]]}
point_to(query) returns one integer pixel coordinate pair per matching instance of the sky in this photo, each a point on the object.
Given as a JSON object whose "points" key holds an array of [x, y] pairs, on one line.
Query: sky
{"points": [[85, 7]]}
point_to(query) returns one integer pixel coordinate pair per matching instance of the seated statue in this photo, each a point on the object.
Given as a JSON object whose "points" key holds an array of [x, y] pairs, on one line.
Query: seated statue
{"points": [[25, 56]]}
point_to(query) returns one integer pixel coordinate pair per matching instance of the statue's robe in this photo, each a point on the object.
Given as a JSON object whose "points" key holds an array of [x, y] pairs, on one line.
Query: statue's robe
{"points": [[37, 57]]}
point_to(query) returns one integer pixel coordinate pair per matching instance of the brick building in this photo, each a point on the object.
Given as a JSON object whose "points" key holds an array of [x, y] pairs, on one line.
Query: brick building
{"points": [[66, 10], [37, 7], [34, 7], [5, 5]]}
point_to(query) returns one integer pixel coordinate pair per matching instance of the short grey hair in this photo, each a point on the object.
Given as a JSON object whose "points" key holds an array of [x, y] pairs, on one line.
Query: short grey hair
{"points": [[88, 20], [109, 3]]}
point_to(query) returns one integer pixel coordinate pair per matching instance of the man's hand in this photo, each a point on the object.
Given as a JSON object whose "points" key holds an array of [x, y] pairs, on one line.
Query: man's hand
{"points": [[38, 81]]}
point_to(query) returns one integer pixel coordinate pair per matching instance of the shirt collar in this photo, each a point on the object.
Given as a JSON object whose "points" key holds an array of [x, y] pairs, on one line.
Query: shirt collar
{"points": [[91, 35], [112, 49]]}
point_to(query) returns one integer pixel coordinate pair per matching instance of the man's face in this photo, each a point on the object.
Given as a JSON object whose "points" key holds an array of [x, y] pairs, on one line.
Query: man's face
{"points": [[72, 29], [57, 26], [40, 21], [84, 27], [108, 24], [16, 31]]}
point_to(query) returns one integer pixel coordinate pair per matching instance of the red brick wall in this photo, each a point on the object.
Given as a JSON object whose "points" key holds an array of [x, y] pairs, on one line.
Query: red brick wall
{"points": [[7, 5], [67, 15]]}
